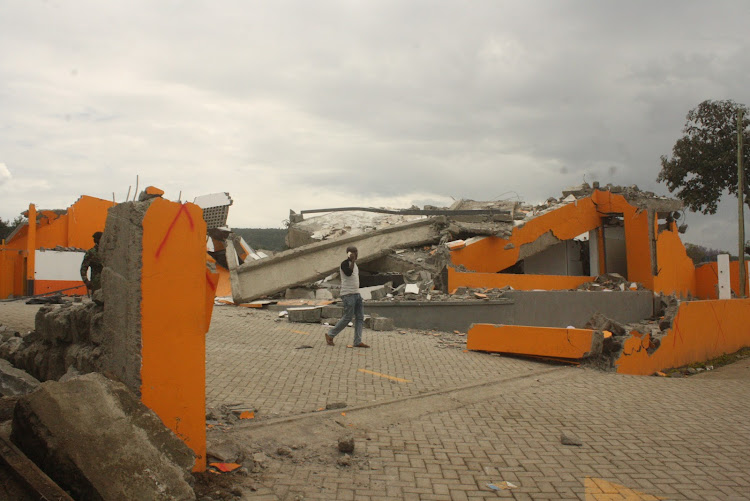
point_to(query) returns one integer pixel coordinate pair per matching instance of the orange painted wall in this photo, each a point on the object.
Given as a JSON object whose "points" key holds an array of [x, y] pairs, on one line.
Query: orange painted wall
{"points": [[11, 272], [701, 330], [490, 256], [676, 273], [73, 229], [525, 340], [519, 282], [707, 280], [676, 269], [176, 305]]}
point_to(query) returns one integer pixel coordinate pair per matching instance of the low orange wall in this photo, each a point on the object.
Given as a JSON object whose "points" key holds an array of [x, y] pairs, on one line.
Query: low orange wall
{"points": [[701, 330], [176, 305], [527, 340], [45, 286], [707, 280], [458, 279]]}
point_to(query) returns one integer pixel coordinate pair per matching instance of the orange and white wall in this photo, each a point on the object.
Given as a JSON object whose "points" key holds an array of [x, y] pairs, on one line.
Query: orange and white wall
{"points": [[74, 228]]}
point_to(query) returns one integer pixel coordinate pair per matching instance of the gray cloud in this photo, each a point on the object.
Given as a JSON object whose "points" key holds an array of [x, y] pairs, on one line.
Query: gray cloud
{"points": [[297, 105]]}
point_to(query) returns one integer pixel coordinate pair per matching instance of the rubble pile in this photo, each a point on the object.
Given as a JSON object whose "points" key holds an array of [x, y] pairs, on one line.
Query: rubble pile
{"points": [[128, 452], [610, 282], [64, 336], [613, 346]]}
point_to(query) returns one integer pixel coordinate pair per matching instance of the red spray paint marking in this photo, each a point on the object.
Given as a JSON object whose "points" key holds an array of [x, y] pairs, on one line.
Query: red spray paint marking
{"points": [[211, 282], [676, 329], [183, 208], [718, 324]]}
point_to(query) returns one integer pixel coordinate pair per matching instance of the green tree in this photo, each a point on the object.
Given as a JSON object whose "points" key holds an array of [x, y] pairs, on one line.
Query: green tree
{"points": [[7, 227], [704, 159]]}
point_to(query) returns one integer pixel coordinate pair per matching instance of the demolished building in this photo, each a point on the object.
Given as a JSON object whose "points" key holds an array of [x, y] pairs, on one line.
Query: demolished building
{"points": [[514, 264]]}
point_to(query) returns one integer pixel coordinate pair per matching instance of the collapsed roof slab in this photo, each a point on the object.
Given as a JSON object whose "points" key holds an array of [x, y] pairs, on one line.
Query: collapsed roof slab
{"points": [[254, 279]]}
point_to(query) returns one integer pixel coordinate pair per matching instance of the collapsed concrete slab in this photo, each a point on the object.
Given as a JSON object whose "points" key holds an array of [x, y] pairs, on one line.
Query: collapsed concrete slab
{"points": [[98, 441], [312, 262]]}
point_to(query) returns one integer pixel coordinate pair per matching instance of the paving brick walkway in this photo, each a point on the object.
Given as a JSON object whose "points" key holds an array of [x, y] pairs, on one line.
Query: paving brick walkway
{"points": [[432, 422], [253, 358]]}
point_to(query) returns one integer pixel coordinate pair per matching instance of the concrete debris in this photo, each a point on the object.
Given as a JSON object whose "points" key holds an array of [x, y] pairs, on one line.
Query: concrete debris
{"points": [[379, 323], [335, 405], [332, 311], [299, 293], [226, 451], [285, 451], [6, 333], [14, 382], [71, 373], [305, 315], [65, 336], [570, 439], [610, 282], [128, 453], [346, 444]]}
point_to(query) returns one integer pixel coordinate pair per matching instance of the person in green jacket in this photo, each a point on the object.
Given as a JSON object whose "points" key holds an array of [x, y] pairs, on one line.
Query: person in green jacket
{"points": [[92, 259]]}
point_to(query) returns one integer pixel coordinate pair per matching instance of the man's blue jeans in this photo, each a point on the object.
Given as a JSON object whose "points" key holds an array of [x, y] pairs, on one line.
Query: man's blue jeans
{"points": [[353, 307]]}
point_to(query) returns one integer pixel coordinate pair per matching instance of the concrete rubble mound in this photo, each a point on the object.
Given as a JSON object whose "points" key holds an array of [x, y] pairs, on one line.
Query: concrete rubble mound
{"points": [[68, 335], [96, 439]]}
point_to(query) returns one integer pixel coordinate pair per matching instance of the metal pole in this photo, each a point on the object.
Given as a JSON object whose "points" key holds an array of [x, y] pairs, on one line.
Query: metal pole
{"points": [[741, 201]]}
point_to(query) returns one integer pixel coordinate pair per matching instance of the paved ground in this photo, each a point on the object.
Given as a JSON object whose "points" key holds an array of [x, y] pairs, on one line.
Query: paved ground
{"points": [[433, 422]]}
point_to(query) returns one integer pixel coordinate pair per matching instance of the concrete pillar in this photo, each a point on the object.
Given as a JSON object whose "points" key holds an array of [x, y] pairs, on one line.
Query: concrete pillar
{"points": [[158, 299], [594, 253], [725, 289]]}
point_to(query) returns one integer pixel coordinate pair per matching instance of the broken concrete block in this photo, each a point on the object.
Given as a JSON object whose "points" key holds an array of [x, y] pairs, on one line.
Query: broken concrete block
{"points": [[379, 323], [323, 294], [570, 439], [332, 311], [15, 381], [299, 293], [346, 444], [305, 315], [411, 289], [9, 348], [94, 438], [6, 333], [71, 373]]}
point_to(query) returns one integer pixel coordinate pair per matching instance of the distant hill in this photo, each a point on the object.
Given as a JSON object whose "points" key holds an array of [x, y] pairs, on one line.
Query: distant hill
{"points": [[263, 238]]}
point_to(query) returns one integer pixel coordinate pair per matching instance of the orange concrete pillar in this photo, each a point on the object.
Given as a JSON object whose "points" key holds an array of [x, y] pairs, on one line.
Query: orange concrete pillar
{"points": [[158, 298], [174, 314], [31, 250], [600, 248]]}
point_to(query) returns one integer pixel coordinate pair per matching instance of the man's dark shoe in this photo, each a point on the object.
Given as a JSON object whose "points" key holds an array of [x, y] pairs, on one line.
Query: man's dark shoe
{"points": [[329, 340], [361, 345]]}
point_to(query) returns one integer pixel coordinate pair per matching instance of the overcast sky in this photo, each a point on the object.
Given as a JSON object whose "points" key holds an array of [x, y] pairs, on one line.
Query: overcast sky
{"points": [[301, 105]]}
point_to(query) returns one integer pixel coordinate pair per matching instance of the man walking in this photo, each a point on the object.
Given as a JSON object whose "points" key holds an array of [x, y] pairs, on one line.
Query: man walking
{"points": [[353, 306]]}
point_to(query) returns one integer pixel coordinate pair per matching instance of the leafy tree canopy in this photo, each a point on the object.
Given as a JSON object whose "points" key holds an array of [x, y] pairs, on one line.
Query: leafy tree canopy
{"points": [[704, 159], [7, 227]]}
